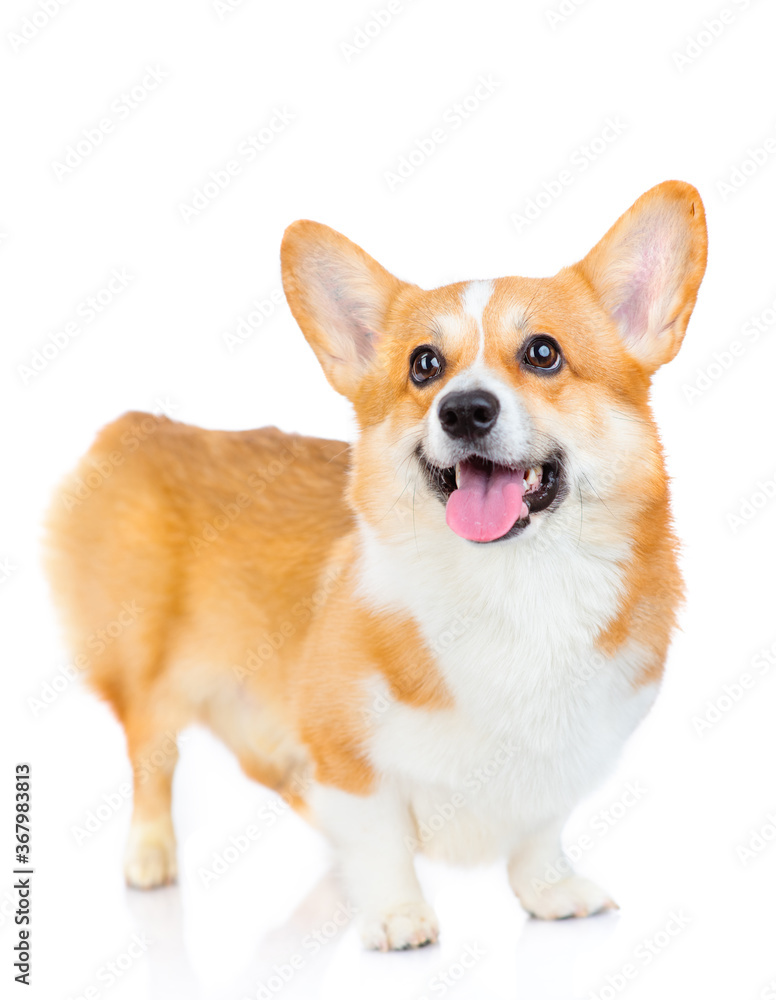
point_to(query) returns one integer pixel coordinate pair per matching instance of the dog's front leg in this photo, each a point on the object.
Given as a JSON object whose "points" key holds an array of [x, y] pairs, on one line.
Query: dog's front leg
{"points": [[546, 884], [373, 836]]}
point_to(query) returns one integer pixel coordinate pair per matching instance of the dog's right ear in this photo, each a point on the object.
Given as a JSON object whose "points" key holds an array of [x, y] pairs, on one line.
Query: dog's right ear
{"points": [[339, 296]]}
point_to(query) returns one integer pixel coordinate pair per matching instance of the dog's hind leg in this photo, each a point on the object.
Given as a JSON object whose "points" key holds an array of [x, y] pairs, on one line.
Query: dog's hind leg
{"points": [[150, 858]]}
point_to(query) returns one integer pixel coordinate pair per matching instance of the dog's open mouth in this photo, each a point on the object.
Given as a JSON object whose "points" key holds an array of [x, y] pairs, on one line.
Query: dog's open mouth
{"points": [[487, 502]]}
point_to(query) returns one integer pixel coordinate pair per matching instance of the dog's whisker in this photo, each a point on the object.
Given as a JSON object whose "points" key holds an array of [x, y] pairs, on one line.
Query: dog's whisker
{"points": [[581, 514]]}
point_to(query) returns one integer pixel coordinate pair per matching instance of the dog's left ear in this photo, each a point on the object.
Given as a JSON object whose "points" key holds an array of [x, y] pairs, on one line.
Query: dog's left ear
{"points": [[339, 296], [647, 269]]}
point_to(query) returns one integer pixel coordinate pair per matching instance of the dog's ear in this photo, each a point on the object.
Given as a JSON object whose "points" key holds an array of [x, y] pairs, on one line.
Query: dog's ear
{"points": [[647, 269], [339, 297]]}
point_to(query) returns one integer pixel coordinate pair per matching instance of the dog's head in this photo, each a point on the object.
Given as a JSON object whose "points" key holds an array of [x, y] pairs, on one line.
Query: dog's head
{"points": [[493, 404]]}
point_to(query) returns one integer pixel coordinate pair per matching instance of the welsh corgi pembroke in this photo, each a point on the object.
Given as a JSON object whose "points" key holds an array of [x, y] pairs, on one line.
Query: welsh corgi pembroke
{"points": [[435, 639]]}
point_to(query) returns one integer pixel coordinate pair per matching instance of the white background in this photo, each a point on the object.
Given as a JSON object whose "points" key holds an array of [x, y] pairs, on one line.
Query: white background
{"points": [[159, 345]]}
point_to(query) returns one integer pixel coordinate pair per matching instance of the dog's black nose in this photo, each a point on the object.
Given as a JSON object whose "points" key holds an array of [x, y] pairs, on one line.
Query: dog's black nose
{"points": [[469, 414]]}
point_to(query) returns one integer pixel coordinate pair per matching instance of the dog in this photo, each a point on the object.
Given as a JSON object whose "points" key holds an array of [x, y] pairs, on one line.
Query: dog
{"points": [[436, 639]]}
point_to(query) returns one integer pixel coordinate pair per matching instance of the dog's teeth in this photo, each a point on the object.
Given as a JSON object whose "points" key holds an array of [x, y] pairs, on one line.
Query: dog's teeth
{"points": [[532, 477], [457, 475]]}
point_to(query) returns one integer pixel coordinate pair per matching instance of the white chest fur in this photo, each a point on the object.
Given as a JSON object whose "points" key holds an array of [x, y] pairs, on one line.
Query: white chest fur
{"points": [[539, 714]]}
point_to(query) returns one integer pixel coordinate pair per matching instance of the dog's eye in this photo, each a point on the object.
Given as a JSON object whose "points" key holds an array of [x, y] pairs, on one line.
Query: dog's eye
{"points": [[543, 353], [425, 364]]}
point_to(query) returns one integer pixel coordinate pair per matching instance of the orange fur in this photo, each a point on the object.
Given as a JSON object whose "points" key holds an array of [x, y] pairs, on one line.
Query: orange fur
{"points": [[236, 553], [221, 539]]}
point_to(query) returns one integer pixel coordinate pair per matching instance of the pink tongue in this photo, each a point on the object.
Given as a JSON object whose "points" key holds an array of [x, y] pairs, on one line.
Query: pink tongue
{"points": [[486, 503]]}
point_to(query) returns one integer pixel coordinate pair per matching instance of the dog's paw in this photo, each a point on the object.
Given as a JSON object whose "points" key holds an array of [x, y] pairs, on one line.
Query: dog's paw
{"points": [[571, 897], [150, 857], [410, 925]]}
